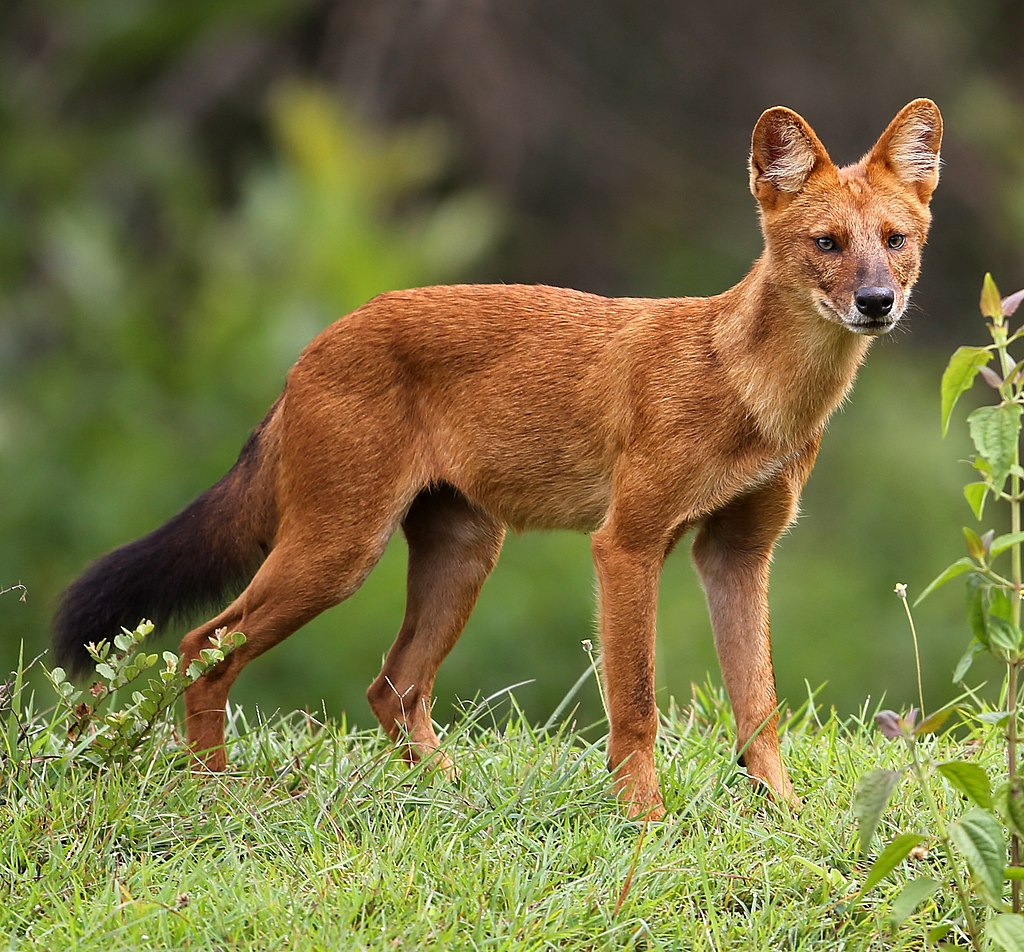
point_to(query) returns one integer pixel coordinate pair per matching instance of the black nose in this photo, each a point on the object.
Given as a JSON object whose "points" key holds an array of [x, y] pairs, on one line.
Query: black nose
{"points": [[874, 302]]}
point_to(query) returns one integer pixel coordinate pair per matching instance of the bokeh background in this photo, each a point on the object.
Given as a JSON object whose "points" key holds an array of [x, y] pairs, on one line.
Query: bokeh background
{"points": [[190, 191]]}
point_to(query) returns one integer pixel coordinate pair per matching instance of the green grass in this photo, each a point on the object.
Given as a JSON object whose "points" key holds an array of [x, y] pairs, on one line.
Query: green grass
{"points": [[320, 838]]}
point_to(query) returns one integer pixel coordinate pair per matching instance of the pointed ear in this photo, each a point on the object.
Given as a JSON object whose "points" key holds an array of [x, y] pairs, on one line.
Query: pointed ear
{"points": [[784, 151], [909, 147]]}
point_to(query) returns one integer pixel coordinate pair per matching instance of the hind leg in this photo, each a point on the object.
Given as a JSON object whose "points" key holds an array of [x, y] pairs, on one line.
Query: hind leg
{"points": [[453, 546], [733, 553], [300, 578]]}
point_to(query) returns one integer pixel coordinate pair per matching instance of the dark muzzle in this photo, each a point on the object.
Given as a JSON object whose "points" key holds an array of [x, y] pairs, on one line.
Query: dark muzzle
{"points": [[874, 302]]}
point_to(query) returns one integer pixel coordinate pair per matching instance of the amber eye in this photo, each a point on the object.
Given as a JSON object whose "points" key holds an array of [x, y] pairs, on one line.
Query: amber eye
{"points": [[826, 244], [896, 241]]}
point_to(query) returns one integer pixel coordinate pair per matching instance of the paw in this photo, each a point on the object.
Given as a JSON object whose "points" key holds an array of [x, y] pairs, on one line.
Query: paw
{"points": [[776, 785], [640, 796]]}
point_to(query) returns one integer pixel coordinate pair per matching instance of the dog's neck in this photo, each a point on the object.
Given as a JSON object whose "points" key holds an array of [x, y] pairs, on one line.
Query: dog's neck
{"points": [[789, 366]]}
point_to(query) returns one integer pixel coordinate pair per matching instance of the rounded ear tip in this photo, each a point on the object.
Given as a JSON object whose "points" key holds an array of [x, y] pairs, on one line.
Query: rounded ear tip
{"points": [[776, 122], [923, 105], [776, 113]]}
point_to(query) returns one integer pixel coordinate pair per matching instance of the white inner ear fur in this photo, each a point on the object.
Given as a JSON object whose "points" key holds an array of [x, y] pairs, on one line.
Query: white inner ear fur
{"points": [[792, 162], [911, 151]]}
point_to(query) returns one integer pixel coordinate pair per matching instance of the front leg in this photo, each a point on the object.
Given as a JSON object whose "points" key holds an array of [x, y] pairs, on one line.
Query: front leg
{"points": [[628, 587], [733, 552]]}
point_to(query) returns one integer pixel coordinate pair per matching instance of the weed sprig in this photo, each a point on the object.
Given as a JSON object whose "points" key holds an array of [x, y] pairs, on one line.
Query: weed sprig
{"points": [[974, 844]]}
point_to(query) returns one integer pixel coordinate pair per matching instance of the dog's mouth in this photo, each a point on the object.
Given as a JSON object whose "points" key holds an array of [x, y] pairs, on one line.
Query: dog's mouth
{"points": [[856, 322], [871, 327]]}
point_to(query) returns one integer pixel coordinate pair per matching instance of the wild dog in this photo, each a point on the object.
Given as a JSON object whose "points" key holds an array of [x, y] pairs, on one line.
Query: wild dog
{"points": [[456, 412]]}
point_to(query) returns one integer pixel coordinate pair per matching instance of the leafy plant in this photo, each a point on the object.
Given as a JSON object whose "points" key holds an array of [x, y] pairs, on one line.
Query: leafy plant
{"points": [[104, 738], [974, 843]]}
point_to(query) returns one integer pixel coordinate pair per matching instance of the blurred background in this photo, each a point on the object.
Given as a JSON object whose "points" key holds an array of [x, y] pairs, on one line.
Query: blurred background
{"points": [[190, 191]]}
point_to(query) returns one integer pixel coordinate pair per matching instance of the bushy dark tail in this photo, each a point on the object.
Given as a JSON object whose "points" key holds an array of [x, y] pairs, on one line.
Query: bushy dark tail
{"points": [[206, 553]]}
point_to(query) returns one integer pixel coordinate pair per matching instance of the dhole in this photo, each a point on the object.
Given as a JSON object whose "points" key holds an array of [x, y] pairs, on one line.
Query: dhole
{"points": [[456, 412]]}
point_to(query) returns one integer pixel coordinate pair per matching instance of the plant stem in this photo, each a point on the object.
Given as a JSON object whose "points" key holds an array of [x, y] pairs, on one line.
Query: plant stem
{"points": [[1011, 702], [1015, 600], [1011, 767], [917, 655], [947, 848]]}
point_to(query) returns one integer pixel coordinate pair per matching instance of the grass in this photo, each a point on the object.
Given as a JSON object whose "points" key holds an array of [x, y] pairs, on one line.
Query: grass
{"points": [[320, 838]]}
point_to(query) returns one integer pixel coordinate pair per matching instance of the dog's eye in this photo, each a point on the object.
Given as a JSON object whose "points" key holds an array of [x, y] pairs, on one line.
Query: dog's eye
{"points": [[826, 244], [896, 241]]}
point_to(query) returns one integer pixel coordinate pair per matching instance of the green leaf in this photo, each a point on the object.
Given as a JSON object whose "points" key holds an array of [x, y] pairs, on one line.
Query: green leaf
{"points": [[947, 574], [1014, 872], [890, 858], [994, 718], [211, 656], [911, 896], [958, 377], [1004, 542], [1000, 605], [1014, 807], [932, 724], [975, 547], [977, 588], [978, 835], [937, 933], [104, 670], [995, 431], [869, 800], [991, 303], [1006, 931], [970, 779], [1004, 637], [974, 649], [976, 494]]}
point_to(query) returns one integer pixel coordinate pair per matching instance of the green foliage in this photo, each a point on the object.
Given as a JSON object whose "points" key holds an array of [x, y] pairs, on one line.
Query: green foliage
{"points": [[873, 792], [321, 838], [116, 735], [343, 845], [79, 729], [959, 376], [975, 841]]}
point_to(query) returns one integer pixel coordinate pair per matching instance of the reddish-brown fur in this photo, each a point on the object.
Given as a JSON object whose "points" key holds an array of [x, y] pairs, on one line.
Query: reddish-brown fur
{"points": [[454, 412]]}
